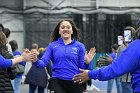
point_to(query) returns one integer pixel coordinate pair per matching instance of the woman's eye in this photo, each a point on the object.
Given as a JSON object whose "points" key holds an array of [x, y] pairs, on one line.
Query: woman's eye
{"points": [[62, 27], [68, 27]]}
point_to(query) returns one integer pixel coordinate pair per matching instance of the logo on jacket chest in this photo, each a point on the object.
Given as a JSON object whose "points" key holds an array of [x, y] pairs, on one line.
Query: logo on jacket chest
{"points": [[74, 50]]}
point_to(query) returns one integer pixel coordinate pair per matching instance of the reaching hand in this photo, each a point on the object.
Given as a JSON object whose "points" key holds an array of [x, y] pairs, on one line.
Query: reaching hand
{"points": [[33, 56], [89, 56], [26, 55], [82, 77], [109, 59]]}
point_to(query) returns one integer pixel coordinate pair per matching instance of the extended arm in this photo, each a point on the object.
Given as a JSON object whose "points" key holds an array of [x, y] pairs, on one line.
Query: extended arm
{"points": [[128, 61]]}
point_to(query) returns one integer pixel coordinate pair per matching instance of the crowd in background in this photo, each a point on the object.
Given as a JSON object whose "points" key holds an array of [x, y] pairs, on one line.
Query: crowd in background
{"points": [[55, 66]]}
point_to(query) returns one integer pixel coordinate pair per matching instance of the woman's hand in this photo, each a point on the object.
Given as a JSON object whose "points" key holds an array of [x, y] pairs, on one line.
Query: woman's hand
{"points": [[33, 55], [25, 55], [89, 56]]}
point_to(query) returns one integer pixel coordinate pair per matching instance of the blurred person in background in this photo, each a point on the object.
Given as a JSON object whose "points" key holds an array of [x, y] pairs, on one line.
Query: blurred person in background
{"points": [[126, 78], [37, 78], [114, 48], [17, 80], [34, 47]]}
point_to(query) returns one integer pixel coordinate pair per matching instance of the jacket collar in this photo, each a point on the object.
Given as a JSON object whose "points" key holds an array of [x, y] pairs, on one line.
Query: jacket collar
{"points": [[60, 40]]}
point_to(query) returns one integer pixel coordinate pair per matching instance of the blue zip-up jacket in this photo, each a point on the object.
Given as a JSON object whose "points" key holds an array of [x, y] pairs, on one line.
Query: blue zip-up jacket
{"points": [[66, 59], [128, 61], [5, 63]]}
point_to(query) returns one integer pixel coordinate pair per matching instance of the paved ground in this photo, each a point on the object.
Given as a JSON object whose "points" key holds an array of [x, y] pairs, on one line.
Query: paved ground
{"points": [[24, 89], [99, 87]]}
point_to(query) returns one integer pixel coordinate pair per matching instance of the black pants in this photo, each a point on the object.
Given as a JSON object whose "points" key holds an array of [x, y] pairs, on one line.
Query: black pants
{"points": [[32, 89], [65, 86], [87, 83]]}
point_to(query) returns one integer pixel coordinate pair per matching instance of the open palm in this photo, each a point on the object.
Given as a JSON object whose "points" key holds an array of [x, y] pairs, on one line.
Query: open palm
{"points": [[89, 56]]}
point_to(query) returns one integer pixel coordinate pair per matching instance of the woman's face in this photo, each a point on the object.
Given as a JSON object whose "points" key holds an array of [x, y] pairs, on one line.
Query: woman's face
{"points": [[65, 30]]}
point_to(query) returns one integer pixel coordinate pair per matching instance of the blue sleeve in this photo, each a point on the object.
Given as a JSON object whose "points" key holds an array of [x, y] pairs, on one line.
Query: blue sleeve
{"points": [[126, 62], [112, 55], [18, 53], [5, 63], [90, 67], [43, 62], [81, 60], [23, 63]]}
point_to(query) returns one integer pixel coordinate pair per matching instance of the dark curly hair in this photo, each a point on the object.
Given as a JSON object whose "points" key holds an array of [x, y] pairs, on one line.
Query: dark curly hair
{"points": [[3, 41]]}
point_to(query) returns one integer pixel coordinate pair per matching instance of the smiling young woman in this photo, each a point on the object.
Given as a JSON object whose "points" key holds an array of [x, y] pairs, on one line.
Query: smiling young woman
{"points": [[67, 55]]}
